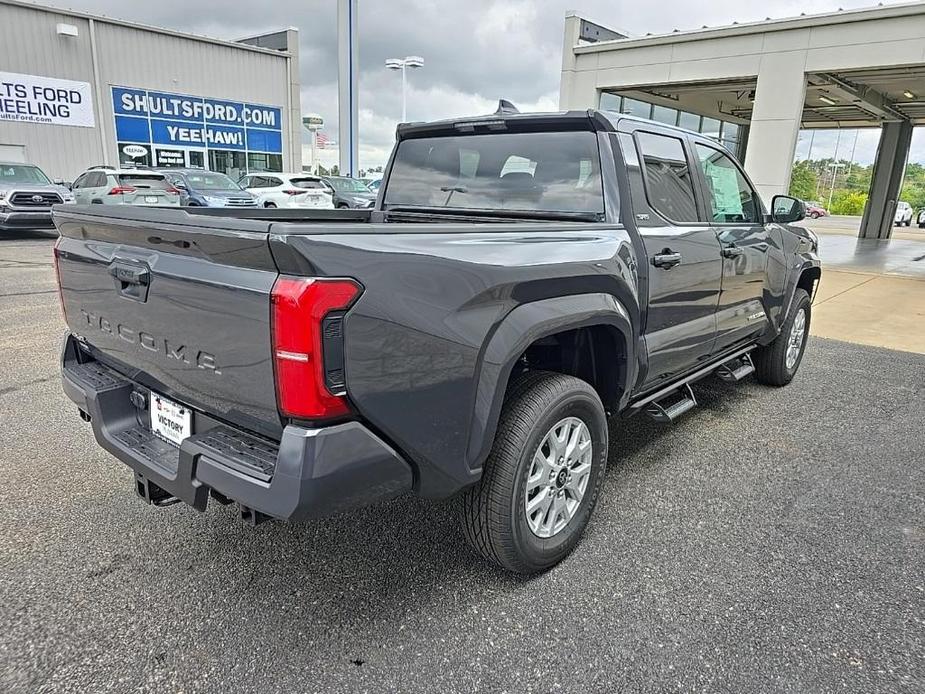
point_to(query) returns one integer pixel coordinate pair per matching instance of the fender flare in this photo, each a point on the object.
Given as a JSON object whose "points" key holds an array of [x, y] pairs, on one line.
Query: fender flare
{"points": [[517, 331], [803, 263]]}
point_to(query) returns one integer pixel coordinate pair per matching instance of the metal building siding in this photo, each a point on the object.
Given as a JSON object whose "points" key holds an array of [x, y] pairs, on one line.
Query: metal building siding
{"points": [[131, 57], [29, 45]]}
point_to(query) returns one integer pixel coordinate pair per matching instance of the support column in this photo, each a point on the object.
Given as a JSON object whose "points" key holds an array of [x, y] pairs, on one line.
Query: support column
{"points": [[775, 124], [570, 40], [889, 169], [348, 111]]}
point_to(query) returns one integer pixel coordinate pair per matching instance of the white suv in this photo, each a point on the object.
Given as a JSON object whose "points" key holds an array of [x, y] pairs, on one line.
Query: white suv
{"points": [[288, 190], [903, 215]]}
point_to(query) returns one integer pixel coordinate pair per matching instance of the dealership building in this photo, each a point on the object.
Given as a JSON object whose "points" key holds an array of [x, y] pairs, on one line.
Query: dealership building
{"points": [[78, 90]]}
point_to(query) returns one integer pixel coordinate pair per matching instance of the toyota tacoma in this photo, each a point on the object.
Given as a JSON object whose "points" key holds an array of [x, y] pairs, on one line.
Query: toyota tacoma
{"points": [[521, 279]]}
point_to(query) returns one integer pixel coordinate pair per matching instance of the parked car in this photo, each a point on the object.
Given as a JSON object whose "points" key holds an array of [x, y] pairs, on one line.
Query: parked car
{"points": [[374, 186], [26, 197], [350, 192], [903, 216], [296, 190], [208, 189], [109, 186], [470, 335], [920, 218], [815, 210]]}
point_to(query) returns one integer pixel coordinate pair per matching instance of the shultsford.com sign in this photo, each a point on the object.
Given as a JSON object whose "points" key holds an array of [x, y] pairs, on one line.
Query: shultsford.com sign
{"points": [[36, 99]]}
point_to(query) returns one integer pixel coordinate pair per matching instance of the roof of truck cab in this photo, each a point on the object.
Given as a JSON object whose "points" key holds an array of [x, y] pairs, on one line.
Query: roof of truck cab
{"points": [[558, 120], [589, 119]]}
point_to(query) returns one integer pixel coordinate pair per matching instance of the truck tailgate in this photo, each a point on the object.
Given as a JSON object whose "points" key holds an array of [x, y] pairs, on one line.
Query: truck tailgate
{"points": [[181, 307]]}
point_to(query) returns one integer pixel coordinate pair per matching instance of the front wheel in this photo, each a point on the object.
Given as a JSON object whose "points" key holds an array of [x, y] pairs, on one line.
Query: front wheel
{"points": [[270, 205], [542, 478], [777, 363]]}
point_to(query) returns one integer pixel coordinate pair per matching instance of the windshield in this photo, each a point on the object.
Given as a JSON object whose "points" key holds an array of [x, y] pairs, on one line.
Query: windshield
{"points": [[348, 185], [208, 180], [551, 171], [14, 173]]}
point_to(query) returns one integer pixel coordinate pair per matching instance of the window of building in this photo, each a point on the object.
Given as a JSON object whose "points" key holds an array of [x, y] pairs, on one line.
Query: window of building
{"points": [[732, 199], [669, 186], [689, 121], [634, 107], [233, 164], [663, 114], [610, 102], [710, 128], [257, 161]]}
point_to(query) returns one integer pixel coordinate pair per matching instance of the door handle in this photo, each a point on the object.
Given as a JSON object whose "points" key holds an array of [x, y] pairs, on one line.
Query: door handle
{"points": [[666, 259], [732, 251]]}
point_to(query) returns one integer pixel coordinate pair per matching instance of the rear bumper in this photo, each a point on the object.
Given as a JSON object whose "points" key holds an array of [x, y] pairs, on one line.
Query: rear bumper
{"points": [[14, 219], [309, 473]]}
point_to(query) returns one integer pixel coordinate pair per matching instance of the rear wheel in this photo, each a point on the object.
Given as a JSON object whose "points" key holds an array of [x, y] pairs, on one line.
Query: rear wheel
{"points": [[541, 481], [777, 363]]}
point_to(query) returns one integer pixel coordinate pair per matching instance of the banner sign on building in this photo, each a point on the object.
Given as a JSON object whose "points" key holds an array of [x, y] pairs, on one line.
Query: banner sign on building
{"points": [[175, 120], [36, 99]]}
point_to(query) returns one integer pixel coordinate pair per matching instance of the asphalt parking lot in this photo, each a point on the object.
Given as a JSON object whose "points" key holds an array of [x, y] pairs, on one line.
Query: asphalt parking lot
{"points": [[773, 540]]}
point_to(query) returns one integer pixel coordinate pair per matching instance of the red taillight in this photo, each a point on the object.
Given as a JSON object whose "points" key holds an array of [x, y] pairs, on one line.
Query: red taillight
{"points": [[172, 191], [57, 254], [293, 192], [299, 306], [118, 190]]}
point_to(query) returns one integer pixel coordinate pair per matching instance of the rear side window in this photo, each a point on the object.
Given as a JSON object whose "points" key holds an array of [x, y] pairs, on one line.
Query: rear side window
{"points": [[544, 171], [732, 199], [669, 185], [144, 181]]}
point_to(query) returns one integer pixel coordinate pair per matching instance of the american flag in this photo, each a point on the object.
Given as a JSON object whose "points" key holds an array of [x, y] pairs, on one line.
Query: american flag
{"points": [[321, 140]]}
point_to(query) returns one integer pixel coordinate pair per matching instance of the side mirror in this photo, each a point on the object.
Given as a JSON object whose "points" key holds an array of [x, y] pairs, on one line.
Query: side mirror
{"points": [[181, 186], [787, 210]]}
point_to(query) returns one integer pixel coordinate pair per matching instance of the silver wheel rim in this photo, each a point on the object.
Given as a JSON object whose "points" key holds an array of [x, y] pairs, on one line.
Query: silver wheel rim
{"points": [[558, 477], [797, 333]]}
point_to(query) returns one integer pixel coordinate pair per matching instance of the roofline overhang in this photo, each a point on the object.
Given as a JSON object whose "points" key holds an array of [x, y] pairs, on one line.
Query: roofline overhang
{"points": [[826, 19], [103, 19]]}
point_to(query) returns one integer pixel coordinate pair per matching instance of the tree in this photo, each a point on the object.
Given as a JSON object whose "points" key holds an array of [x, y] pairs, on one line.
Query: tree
{"points": [[848, 202], [803, 181]]}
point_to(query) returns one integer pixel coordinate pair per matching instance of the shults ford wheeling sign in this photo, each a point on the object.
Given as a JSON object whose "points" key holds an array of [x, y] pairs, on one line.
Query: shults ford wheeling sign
{"points": [[177, 120], [35, 99]]}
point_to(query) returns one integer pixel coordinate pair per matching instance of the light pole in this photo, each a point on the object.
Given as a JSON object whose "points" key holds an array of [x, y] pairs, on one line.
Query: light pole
{"points": [[313, 123], [412, 61]]}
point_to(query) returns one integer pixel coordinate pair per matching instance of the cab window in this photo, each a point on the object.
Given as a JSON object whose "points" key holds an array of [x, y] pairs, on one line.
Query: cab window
{"points": [[732, 200], [669, 186]]}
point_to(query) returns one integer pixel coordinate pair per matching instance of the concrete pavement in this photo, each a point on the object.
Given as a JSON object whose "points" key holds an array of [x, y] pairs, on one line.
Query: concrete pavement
{"points": [[772, 541]]}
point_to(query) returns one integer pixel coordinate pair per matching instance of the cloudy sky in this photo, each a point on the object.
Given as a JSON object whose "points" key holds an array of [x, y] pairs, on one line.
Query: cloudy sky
{"points": [[475, 52]]}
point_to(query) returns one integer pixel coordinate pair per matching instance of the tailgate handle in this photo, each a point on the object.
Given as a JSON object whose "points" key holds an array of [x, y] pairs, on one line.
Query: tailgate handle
{"points": [[131, 280]]}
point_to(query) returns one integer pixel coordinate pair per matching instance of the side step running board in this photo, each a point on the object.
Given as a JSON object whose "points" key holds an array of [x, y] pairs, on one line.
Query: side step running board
{"points": [[661, 411], [735, 370]]}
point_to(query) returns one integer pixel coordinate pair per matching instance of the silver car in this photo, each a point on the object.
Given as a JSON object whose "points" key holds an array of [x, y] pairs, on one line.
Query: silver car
{"points": [[26, 197], [124, 187]]}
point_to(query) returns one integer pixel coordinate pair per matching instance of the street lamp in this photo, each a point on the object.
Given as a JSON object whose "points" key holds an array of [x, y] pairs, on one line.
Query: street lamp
{"points": [[412, 61]]}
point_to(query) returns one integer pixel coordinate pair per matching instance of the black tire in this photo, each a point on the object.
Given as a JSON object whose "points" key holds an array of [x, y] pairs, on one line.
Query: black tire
{"points": [[771, 361], [269, 205], [494, 519]]}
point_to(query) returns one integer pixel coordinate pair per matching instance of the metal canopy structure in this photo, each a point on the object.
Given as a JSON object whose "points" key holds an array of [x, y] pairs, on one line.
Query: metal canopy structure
{"points": [[852, 99], [847, 69]]}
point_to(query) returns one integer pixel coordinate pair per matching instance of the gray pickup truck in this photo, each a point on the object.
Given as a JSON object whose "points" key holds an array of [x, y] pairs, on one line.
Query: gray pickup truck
{"points": [[520, 279]]}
